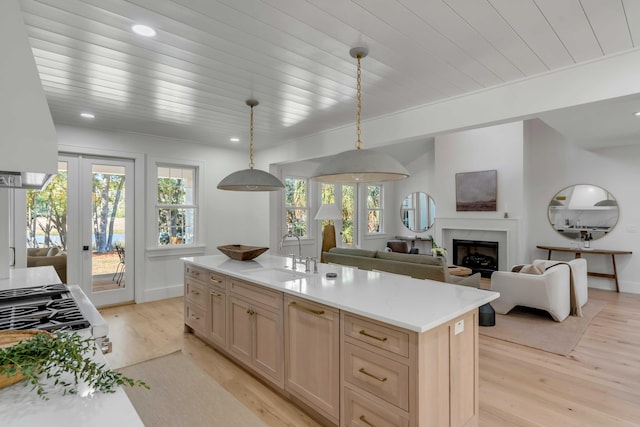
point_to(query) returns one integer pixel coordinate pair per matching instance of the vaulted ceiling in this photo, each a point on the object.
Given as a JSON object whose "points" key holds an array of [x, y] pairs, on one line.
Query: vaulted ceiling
{"points": [[191, 80]]}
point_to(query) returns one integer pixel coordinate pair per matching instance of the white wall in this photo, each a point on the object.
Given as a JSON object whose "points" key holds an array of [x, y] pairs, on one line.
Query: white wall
{"points": [[228, 217], [554, 163]]}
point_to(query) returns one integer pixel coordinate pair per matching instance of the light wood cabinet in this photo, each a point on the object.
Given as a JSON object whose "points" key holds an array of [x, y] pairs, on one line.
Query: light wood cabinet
{"points": [[312, 355], [256, 329], [395, 377], [351, 370]]}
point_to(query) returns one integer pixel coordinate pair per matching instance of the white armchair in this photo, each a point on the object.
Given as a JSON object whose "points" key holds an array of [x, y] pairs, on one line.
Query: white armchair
{"points": [[548, 291], [579, 271]]}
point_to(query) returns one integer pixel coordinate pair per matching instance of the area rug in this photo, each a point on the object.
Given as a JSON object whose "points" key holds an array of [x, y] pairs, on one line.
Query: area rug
{"points": [[182, 394], [535, 328]]}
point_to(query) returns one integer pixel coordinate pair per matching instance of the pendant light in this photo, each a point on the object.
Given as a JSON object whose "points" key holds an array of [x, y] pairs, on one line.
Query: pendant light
{"points": [[251, 179], [359, 165]]}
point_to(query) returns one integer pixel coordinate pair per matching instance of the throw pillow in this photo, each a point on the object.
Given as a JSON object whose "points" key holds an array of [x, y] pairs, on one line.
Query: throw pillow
{"points": [[53, 251], [535, 268]]}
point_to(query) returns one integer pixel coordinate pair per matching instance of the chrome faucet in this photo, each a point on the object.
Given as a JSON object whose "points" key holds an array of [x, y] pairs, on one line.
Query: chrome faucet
{"points": [[292, 234]]}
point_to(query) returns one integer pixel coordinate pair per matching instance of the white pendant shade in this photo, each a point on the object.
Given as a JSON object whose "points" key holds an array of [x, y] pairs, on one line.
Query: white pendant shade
{"points": [[328, 211], [360, 166], [250, 180]]}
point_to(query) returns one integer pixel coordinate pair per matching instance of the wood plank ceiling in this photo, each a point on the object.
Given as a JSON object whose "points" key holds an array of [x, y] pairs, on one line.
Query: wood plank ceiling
{"points": [[191, 80]]}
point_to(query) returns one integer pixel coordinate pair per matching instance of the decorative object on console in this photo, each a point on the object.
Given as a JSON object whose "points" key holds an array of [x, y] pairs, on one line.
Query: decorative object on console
{"points": [[328, 212], [242, 252], [437, 250], [251, 179], [477, 191], [359, 165]]}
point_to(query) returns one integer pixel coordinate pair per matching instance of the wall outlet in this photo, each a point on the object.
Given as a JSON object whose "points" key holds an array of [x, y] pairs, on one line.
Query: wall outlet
{"points": [[459, 327]]}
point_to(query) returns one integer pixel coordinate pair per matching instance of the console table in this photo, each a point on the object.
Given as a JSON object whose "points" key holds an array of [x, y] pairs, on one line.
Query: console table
{"points": [[578, 254]]}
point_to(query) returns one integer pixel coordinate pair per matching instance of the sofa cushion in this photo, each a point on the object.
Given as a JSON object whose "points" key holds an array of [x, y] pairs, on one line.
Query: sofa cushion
{"points": [[417, 259], [52, 251], [354, 252]]}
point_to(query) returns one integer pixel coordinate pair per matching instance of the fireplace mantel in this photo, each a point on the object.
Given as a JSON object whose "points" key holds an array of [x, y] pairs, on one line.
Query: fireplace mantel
{"points": [[503, 230]]}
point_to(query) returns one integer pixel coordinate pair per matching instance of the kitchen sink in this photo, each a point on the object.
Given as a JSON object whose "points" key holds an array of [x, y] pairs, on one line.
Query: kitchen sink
{"points": [[276, 274]]}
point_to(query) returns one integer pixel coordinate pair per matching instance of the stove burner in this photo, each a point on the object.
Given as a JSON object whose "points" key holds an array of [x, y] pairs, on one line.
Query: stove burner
{"points": [[48, 308], [21, 294]]}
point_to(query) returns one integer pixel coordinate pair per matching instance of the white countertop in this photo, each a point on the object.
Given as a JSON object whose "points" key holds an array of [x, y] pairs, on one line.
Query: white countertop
{"points": [[29, 277], [414, 304]]}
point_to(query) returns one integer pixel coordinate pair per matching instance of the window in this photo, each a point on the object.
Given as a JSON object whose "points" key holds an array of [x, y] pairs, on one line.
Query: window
{"points": [[374, 209], [296, 205], [349, 215], [176, 204]]}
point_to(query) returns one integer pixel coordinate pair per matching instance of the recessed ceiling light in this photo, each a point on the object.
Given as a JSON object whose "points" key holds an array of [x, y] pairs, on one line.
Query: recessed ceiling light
{"points": [[88, 115], [143, 30], [637, 114], [234, 139]]}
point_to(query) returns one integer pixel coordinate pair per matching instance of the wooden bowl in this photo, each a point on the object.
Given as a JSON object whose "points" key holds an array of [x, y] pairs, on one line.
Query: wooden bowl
{"points": [[12, 337], [242, 252]]}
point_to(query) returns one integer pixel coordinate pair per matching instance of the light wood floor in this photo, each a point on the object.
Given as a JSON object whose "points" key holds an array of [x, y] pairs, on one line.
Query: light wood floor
{"points": [[598, 384]]}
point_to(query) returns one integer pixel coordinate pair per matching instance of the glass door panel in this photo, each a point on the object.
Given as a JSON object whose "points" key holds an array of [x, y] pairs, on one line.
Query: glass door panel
{"points": [[107, 222]]}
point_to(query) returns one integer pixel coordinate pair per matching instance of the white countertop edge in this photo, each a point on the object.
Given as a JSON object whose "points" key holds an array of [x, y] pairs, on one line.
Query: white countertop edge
{"points": [[212, 262]]}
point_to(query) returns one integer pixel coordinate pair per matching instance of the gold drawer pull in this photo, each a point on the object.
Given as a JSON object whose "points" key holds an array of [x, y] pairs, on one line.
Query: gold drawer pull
{"points": [[363, 332], [195, 317], [195, 292], [250, 312], [215, 280], [364, 420], [215, 294], [195, 273], [308, 310], [363, 371]]}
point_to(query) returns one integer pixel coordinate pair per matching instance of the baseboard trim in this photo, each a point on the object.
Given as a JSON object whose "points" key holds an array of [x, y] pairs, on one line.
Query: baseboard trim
{"points": [[163, 293]]}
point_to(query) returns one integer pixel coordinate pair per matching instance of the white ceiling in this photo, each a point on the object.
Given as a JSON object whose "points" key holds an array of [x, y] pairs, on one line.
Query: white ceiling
{"points": [[191, 80]]}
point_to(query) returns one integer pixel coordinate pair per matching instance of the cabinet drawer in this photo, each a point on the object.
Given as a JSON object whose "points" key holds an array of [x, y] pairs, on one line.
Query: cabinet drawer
{"points": [[195, 272], [195, 316], [377, 335], [381, 376], [196, 292], [258, 294], [362, 411], [218, 281]]}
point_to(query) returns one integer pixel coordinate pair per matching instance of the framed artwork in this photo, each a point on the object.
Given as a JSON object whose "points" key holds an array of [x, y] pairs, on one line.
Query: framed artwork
{"points": [[477, 191]]}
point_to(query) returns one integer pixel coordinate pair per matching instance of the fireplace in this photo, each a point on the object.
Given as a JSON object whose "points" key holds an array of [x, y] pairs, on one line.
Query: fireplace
{"points": [[478, 255]]}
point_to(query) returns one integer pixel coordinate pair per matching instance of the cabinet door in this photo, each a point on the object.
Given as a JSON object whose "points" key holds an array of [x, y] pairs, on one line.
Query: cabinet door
{"points": [[312, 354], [268, 343], [463, 360], [240, 341], [218, 317]]}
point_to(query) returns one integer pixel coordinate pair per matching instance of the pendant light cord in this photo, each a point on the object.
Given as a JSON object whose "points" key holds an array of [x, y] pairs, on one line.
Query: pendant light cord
{"points": [[251, 140], [359, 102]]}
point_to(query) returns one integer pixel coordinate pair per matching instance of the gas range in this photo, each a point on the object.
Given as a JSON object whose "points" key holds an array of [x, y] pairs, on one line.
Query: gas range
{"points": [[55, 307]]}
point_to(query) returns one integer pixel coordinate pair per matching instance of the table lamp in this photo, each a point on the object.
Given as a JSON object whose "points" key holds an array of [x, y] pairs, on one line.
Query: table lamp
{"points": [[328, 212]]}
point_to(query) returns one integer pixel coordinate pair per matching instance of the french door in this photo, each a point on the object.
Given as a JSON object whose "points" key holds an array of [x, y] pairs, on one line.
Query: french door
{"points": [[86, 214], [106, 220]]}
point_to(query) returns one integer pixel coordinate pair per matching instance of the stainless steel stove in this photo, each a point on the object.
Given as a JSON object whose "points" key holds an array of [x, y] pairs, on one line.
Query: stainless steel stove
{"points": [[55, 307]]}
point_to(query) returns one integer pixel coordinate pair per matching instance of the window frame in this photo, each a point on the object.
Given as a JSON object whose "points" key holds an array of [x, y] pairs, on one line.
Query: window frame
{"points": [[154, 206], [380, 209], [306, 208]]}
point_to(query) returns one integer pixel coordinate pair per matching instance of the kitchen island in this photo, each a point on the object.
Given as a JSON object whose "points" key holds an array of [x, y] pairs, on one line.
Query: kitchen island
{"points": [[363, 348]]}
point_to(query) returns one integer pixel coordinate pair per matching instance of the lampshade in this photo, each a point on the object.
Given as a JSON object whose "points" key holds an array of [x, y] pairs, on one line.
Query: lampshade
{"points": [[251, 179], [328, 211], [359, 165]]}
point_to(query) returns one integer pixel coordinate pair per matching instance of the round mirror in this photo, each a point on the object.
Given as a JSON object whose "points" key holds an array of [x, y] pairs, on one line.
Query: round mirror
{"points": [[583, 211], [418, 211]]}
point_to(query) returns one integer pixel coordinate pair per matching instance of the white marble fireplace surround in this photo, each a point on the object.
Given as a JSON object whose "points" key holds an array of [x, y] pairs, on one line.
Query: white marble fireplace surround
{"points": [[501, 230]]}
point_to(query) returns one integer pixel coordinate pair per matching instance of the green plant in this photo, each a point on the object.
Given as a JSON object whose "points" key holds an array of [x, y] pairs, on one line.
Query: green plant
{"points": [[65, 358]]}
